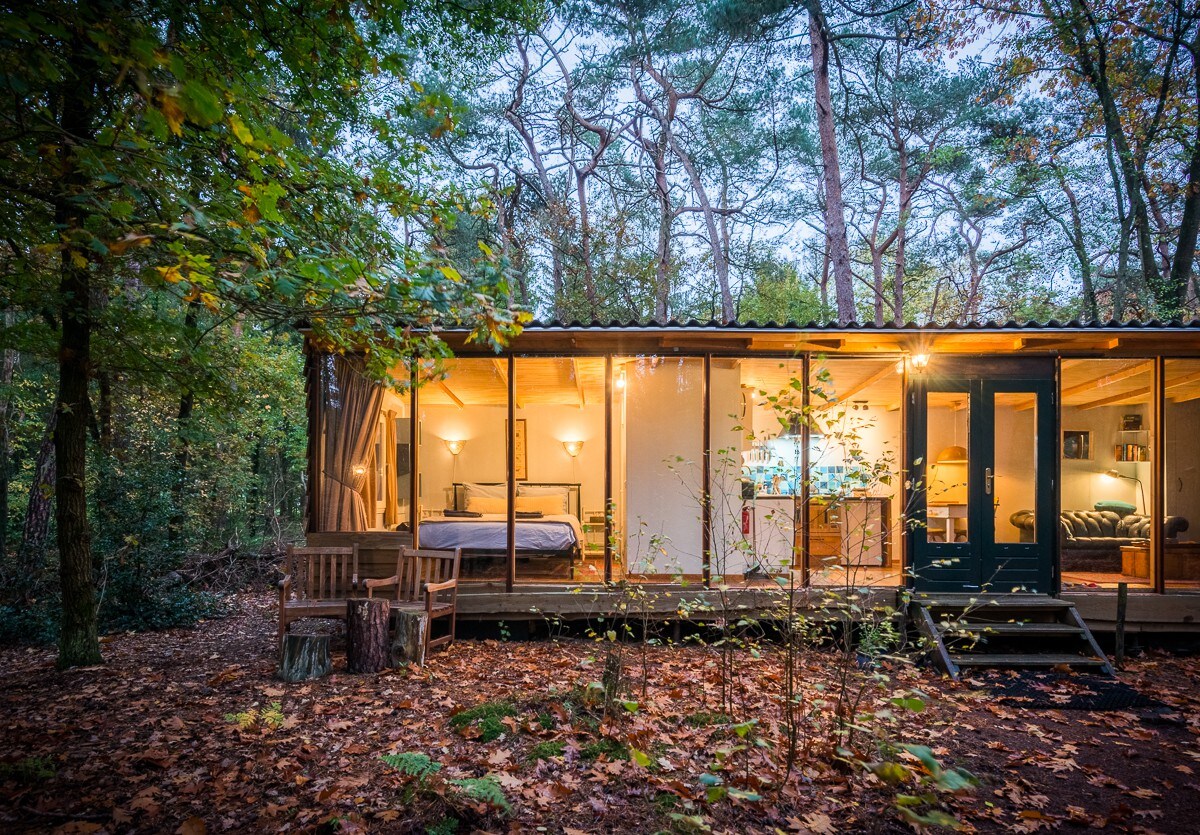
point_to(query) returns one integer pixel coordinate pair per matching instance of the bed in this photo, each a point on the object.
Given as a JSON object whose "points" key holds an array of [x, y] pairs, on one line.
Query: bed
{"points": [[546, 545]]}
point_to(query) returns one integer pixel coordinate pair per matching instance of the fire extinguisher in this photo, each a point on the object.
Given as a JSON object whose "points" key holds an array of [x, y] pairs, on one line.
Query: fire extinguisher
{"points": [[745, 521]]}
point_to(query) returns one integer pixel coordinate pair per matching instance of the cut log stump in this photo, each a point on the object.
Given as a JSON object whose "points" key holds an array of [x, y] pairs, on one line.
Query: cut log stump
{"points": [[302, 657], [408, 645], [367, 634]]}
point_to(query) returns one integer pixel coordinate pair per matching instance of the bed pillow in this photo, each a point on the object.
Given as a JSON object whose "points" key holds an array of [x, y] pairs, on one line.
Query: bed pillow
{"points": [[546, 505], [486, 504], [474, 490], [561, 493]]}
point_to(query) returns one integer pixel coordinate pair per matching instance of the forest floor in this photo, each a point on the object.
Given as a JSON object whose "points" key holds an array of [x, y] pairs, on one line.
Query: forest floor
{"points": [[151, 742]]}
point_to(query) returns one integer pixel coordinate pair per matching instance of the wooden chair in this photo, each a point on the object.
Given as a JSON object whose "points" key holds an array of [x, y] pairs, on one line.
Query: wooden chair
{"points": [[425, 581], [322, 580]]}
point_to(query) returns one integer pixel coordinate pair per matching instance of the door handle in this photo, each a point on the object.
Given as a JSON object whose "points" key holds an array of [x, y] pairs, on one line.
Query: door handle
{"points": [[988, 478]]}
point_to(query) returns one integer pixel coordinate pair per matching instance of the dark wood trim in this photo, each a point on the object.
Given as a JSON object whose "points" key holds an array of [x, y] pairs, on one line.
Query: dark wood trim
{"points": [[899, 552], [414, 453], [1158, 473], [511, 575], [805, 480], [608, 461], [1056, 486], [706, 477]]}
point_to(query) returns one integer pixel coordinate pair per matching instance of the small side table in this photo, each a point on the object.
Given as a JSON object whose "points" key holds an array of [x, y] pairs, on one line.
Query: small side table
{"points": [[1135, 560]]}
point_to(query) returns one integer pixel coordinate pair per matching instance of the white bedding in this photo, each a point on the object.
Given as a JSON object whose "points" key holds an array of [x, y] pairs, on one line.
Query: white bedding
{"points": [[560, 532]]}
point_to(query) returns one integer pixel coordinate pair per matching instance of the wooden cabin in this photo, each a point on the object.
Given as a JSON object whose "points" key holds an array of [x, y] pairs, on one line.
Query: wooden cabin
{"points": [[1052, 458]]}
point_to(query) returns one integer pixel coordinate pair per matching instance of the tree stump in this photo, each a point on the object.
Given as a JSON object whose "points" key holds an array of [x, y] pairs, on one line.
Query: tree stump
{"points": [[303, 657], [367, 634], [408, 646]]}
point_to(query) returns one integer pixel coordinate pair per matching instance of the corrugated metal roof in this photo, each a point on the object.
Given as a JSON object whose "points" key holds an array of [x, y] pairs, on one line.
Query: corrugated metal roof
{"points": [[990, 325]]}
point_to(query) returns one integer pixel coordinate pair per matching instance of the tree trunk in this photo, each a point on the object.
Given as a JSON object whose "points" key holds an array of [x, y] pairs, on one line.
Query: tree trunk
{"points": [[662, 269], [835, 218], [7, 366], [367, 634], [408, 645], [1079, 244], [78, 642], [1189, 224], [31, 552], [302, 657]]}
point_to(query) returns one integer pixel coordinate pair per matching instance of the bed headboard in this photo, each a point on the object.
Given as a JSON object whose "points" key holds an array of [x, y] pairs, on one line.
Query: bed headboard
{"points": [[573, 501]]}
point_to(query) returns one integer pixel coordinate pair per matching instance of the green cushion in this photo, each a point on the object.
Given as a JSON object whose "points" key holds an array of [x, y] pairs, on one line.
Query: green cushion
{"points": [[1123, 508]]}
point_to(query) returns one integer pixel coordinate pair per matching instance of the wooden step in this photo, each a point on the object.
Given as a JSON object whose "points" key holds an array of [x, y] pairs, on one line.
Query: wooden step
{"points": [[1031, 660], [1044, 630], [993, 603]]}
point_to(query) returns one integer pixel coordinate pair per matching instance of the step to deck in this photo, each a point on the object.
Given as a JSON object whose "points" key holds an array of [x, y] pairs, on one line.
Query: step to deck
{"points": [[1012, 630], [1032, 629]]}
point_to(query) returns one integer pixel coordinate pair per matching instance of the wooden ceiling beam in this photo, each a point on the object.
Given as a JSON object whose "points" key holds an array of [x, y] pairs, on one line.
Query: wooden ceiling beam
{"points": [[1108, 379], [578, 382], [889, 368], [501, 368], [453, 397], [1116, 398]]}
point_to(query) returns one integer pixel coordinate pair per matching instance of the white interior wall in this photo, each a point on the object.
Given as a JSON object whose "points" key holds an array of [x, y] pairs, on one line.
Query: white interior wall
{"points": [[1084, 482], [1015, 459], [483, 456], [664, 421]]}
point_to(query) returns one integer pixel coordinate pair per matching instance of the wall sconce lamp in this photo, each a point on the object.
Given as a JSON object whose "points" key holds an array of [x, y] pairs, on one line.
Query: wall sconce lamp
{"points": [[359, 470], [619, 381], [920, 361], [455, 447], [573, 448]]}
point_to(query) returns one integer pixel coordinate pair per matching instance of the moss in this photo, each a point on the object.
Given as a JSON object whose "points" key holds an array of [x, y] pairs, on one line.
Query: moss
{"points": [[606, 747], [487, 717], [30, 770], [702, 719], [547, 750], [545, 721]]}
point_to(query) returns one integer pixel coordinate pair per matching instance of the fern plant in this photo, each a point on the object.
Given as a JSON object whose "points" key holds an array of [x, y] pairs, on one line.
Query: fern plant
{"points": [[483, 789], [412, 764], [270, 717]]}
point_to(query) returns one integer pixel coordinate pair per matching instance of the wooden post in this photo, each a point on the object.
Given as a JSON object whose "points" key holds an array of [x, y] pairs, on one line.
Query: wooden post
{"points": [[303, 657], [408, 645], [1122, 604], [367, 634]]}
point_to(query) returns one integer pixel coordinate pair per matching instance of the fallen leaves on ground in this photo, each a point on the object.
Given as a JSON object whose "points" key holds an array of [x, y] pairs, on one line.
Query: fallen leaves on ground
{"points": [[177, 733]]}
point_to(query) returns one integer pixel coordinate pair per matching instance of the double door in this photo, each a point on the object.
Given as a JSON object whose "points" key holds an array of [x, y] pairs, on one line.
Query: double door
{"points": [[983, 478]]}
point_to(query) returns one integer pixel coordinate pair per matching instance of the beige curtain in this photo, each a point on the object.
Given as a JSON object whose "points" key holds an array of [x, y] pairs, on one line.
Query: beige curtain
{"points": [[391, 501], [350, 404]]}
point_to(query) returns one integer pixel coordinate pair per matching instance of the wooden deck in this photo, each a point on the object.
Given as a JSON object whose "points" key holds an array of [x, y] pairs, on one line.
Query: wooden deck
{"points": [[670, 601]]}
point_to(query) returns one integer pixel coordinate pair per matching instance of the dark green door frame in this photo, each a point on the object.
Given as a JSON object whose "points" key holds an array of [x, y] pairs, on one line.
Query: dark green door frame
{"points": [[982, 564]]}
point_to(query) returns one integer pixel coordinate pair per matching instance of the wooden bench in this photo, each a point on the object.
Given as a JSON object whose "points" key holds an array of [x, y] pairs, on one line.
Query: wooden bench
{"points": [[322, 579], [425, 581]]}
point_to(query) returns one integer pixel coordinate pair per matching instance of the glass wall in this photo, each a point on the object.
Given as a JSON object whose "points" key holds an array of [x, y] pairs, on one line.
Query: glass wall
{"points": [[560, 471], [364, 479], [755, 467], [1107, 425], [855, 488], [1181, 474], [657, 466], [462, 431]]}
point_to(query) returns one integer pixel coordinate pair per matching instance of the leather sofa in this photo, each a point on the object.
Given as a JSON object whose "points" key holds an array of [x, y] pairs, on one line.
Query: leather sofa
{"points": [[1091, 540]]}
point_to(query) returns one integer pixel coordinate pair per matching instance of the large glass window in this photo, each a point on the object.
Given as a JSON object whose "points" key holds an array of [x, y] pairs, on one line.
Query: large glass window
{"points": [[363, 481], [1107, 423], [1181, 473], [755, 467], [658, 444], [854, 483], [463, 487], [560, 495]]}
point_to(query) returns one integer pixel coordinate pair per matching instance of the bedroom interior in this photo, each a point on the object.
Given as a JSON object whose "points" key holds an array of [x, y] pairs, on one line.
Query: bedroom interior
{"points": [[441, 458]]}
